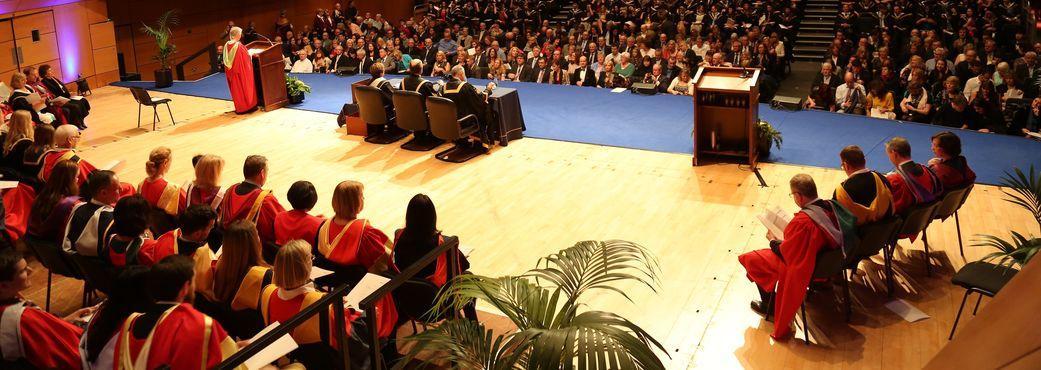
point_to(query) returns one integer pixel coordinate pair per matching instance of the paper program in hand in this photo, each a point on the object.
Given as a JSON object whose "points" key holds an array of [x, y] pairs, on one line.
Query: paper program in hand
{"points": [[775, 221], [366, 286]]}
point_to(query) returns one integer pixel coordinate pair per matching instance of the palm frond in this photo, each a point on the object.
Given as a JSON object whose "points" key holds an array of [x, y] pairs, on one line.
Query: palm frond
{"points": [[1024, 190], [595, 340], [469, 345], [1016, 252], [162, 34], [590, 265], [524, 303]]}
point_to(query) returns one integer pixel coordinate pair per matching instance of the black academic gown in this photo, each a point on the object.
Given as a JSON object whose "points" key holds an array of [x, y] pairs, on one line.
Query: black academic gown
{"points": [[469, 101], [417, 84]]}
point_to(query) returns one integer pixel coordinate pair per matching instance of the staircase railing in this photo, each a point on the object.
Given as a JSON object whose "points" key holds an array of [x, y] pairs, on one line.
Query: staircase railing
{"points": [[209, 50]]}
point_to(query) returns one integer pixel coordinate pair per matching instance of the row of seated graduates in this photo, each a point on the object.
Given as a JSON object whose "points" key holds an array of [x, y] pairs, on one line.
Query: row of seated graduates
{"points": [[190, 204]]}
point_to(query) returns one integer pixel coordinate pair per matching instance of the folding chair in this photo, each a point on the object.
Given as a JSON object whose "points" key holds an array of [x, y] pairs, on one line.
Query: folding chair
{"points": [[143, 99]]}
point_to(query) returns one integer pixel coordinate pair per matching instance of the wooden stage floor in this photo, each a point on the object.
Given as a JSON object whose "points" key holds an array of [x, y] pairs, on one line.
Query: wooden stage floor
{"points": [[538, 196]]}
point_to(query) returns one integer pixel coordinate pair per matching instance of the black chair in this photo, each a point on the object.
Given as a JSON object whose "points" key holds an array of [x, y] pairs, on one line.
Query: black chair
{"points": [[916, 220], [56, 261], [984, 278], [98, 274], [446, 125], [874, 238], [950, 204], [415, 301], [829, 263], [411, 115], [380, 122], [143, 99]]}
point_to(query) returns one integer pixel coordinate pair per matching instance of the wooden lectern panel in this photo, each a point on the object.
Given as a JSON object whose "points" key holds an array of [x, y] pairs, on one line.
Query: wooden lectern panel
{"points": [[726, 113], [269, 74]]}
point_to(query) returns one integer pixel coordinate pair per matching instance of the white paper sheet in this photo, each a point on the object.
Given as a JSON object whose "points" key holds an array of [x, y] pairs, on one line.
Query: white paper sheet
{"points": [[281, 347], [775, 220], [34, 98], [115, 165], [905, 310], [8, 184], [60, 100], [317, 272], [618, 89], [366, 286]]}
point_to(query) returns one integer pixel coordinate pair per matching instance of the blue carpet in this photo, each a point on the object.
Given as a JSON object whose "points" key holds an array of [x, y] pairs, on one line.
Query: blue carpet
{"points": [[663, 123]]}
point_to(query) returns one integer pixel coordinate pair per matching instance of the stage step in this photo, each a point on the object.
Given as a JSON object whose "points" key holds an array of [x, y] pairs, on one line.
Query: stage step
{"points": [[807, 57], [815, 36]]}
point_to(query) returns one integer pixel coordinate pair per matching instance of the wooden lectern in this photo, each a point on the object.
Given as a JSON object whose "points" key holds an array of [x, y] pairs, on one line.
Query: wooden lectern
{"points": [[269, 74], [726, 113]]}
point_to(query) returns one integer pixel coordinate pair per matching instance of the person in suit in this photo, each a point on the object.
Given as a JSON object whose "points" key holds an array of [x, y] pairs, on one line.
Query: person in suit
{"points": [[468, 101], [519, 70], [583, 75], [57, 88], [822, 92], [656, 78], [1027, 71], [341, 61], [541, 73]]}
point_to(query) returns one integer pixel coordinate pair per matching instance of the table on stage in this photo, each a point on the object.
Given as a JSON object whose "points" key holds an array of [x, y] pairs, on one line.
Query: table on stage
{"points": [[506, 111]]}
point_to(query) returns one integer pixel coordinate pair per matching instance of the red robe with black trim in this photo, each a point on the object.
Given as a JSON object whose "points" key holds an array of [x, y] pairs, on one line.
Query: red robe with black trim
{"points": [[238, 68], [360, 244], [237, 207], [162, 195], [183, 338], [18, 203], [48, 341], [295, 224], [954, 173], [791, 276]]}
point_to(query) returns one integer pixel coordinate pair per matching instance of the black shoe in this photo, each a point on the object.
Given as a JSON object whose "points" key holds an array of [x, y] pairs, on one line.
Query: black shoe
{"points": [[761, 308]]}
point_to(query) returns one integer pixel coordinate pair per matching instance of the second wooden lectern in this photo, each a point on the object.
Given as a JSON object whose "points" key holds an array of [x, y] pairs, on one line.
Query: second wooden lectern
{"points": [[269, 74], [726, 113]]}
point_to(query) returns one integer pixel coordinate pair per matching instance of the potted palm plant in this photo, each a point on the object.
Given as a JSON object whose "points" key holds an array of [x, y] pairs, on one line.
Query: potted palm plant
{"points": [[296, 89], [164, 49], [556, 329], [1022, 189], [768, 136]]}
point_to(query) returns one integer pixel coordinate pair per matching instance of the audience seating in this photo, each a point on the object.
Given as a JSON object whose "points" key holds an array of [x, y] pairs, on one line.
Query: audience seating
{"points": [[984, 278], [415, 300], [97, 273], [412, 116], [446, 126], [374, 113], [829, 263], [143, 99], [56, 261], [951, 203]]}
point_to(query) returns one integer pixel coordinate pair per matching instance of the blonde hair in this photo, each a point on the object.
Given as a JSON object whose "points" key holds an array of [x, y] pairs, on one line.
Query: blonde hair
{"points": [[292, 265], [157, 160], [208, 171], [348, 199], [20, 127], [18, 80]]}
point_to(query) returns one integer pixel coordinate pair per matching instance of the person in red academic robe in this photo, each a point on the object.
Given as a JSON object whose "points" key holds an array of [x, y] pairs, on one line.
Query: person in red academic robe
{"points": [[39, 338], [297, 223], [910, 182], [782, 273], [238, 68], [206, 188], [157, 191], [18, 202], [66, 138], [949, 165], [352, 247], [249, 201], [122, 243], [171, 332]]}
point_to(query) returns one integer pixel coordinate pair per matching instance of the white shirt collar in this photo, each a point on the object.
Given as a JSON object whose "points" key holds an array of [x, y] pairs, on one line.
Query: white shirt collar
{"points": [[293, 293]]}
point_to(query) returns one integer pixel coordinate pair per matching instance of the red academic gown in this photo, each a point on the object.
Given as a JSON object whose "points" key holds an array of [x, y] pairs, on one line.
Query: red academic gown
{"points": [[276, 309], [194, 195], [258, 206], [53, 156], [238, 68], [47, 342], [360, 244], [954, 173], [163, 195], [183, 338], [803, 238], [295, 224], [440, 276], [926, 186], [18, 202]]}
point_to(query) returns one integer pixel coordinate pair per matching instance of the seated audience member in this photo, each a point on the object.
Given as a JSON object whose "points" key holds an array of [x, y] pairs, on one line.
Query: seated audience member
{"points": [[190, 241], [64, 109], [583, 75], [414, 80], [440, 65], [23, 98], [879, 102], [386, 89], [540, 74], [238, 277], [54, 204], [624, 68], [123, 241], [33, 336], [206, 188], [950, 165], [911, 183], [850, 96], [607, 78], [681, 84], [128, 295], [557, 75], [17, 140], [865, 193], [43, 142], [915, 107], [66, 139], [788, 264], [90, 219], [297, 223], [351, 247], [57, 88], [164, 197], [303, 64], [172, 333], [291, 292], [418, 238], [248, 200], [468, 101]]}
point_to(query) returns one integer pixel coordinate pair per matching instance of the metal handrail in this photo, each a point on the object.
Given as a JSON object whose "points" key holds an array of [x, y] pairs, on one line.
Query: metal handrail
{"points": [[209, 49]]}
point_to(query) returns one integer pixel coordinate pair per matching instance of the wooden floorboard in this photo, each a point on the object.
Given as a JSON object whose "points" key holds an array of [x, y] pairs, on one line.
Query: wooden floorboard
{"points": [[536, 196]]}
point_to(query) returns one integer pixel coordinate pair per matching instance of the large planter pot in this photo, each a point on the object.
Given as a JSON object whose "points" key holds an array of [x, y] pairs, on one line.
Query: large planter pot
{"points": [[764, 146], [163, 78], [296, 99]]}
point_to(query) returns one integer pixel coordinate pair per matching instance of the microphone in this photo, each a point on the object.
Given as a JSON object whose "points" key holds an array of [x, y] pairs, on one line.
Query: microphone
{"points": [[745, 73]]}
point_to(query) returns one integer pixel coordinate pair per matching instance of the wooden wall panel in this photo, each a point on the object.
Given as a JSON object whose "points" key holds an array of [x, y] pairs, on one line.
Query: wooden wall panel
{"points": [[38, 52], [105, 60], [97, 11], [102, 35], [6, 33], [7, 62], [105, 78], [74, 40], [25, 25]]}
